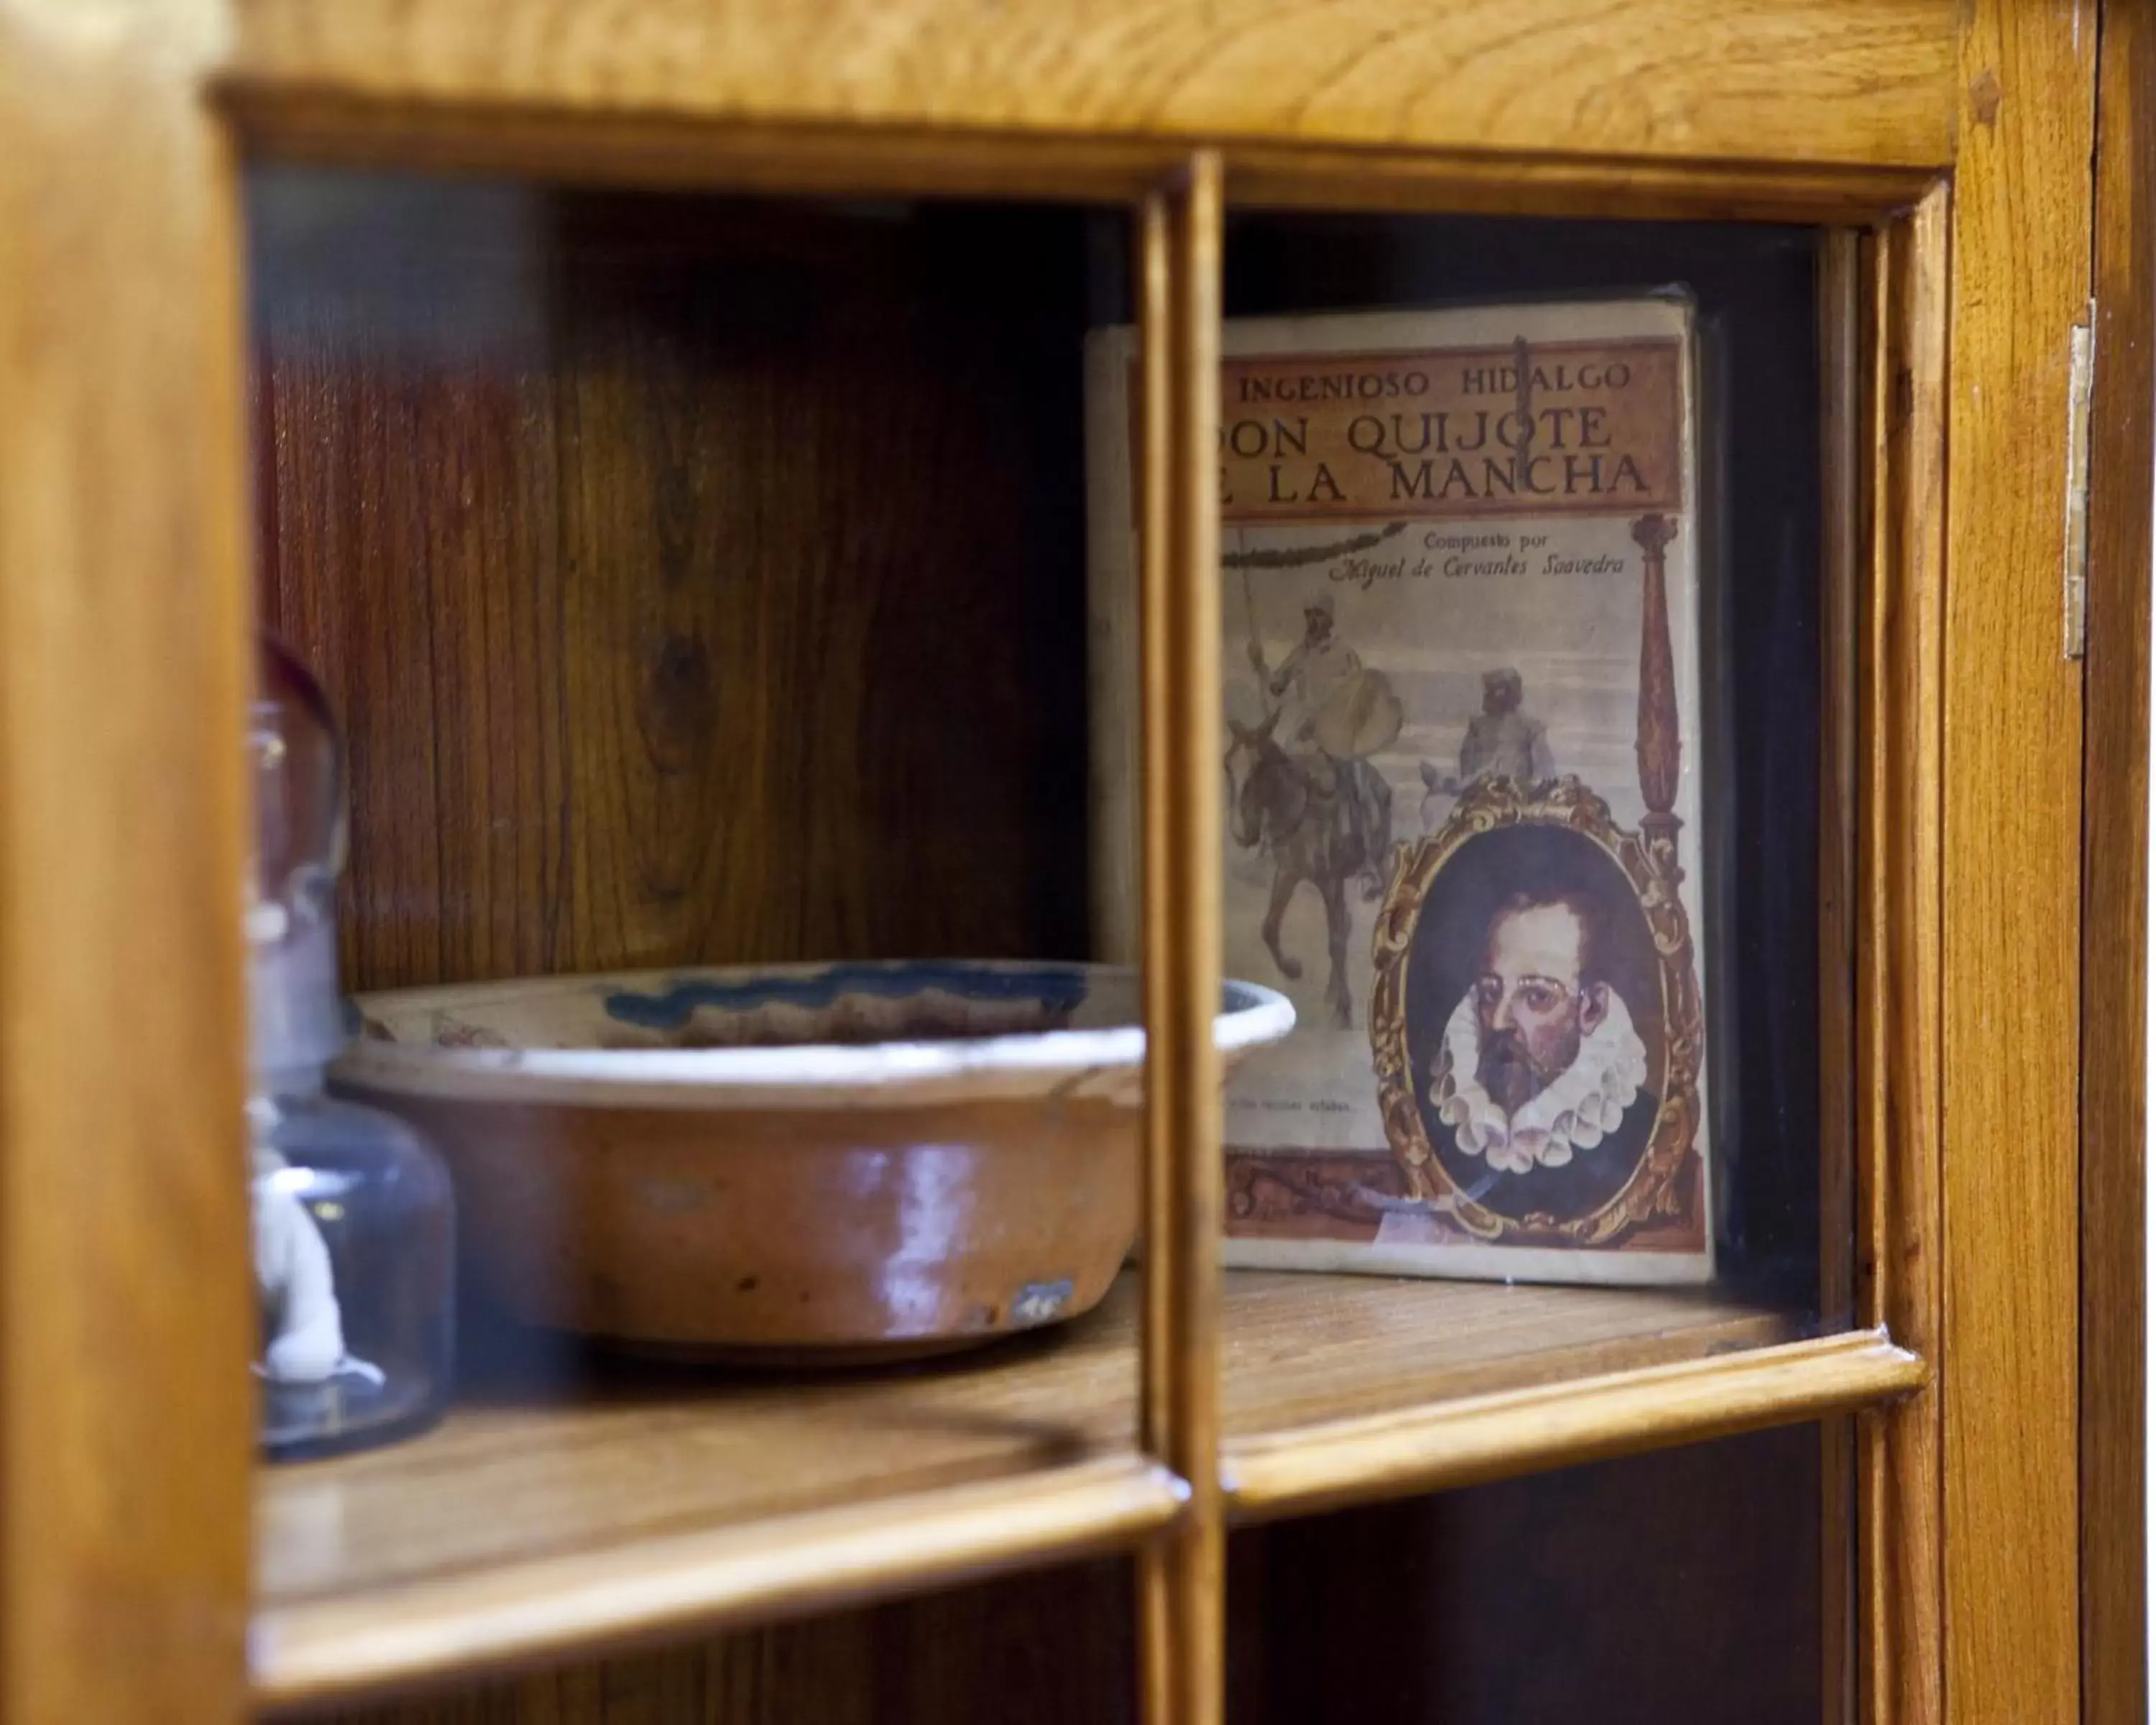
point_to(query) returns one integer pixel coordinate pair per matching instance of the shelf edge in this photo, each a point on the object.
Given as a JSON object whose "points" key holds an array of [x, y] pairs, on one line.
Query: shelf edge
{"points": [[1444, 1445], [851, 158], [521, 1613]]}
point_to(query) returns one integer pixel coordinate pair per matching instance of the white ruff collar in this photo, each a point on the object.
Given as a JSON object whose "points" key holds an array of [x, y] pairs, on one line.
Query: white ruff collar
{"points": [[1573, 1112]]}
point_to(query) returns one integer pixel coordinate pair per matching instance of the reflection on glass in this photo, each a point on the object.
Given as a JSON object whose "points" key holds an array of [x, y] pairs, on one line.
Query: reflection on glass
{"points": [[1702, 1584], [701, 580], [1521, 647]]}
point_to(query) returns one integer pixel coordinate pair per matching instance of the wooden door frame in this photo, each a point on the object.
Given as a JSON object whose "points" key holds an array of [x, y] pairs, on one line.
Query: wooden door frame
{"points": [[127, 1301], [2115, 881], [2012, 902], [125, 1458]]}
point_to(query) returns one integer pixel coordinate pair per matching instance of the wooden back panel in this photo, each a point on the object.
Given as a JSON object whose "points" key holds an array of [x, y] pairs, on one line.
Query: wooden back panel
{"points": [[696, 582]]}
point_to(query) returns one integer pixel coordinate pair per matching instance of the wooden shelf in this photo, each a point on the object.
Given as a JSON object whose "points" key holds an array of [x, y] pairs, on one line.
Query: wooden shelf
{"points": [[1341, 1389], [654, 1503]]}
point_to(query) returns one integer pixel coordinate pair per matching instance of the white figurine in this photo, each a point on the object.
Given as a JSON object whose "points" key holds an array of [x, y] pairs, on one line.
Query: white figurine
{"points": [[292, 1274], [297, 1286]]}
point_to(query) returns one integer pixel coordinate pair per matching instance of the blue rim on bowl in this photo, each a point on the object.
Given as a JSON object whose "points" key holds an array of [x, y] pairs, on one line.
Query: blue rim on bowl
{"points": [[464, 1042]]}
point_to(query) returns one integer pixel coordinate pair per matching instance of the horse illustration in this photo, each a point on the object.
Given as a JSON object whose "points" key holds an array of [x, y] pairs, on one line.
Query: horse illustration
{"points": [[1297, 809]]}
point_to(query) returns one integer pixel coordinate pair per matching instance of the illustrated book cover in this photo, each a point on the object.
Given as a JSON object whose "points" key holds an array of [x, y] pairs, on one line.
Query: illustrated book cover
{"points": [[1461, 652]]}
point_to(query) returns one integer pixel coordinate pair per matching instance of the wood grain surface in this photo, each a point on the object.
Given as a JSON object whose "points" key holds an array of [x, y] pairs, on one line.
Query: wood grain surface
{"points": [[537, 662], [1845, 516], [1495, 1436], [1395, 1349], [1899, 1174], [126, 1316], [1048, 1649], [530, 1507], [572, 1464], [2115, 885], [1181, 1577], [1865, 81], [641, 152], [1164, 1296], [693, 582], [1526, 183], [2012, 936], [666, 1586]]}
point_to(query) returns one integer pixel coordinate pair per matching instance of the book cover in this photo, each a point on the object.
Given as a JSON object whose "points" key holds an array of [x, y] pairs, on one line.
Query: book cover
{"points": [[1461, 608]]}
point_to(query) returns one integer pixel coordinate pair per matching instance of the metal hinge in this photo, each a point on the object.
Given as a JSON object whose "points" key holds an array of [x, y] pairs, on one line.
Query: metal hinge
{"points": [[2080, 383]]}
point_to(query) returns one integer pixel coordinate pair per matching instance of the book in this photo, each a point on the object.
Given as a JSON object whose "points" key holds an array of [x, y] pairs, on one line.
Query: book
{"points": [[1460, 655]]}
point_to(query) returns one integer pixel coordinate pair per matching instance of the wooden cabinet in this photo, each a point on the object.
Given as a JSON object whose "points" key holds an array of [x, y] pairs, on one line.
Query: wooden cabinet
{"points": [[647, 417]]}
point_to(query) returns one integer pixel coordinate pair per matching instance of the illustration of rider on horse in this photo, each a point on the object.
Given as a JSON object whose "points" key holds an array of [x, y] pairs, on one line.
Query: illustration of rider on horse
{"points": [[1340, 712], [1305, 789]]}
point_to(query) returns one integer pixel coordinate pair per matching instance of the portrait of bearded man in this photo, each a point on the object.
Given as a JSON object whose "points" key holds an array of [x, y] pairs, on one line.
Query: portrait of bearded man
{"points": [[1539, 1082]]}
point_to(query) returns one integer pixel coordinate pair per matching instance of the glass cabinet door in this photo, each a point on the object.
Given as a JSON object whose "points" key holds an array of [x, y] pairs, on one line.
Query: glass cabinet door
{"points": [[696, 587], [1141, 864], [725, 604]]}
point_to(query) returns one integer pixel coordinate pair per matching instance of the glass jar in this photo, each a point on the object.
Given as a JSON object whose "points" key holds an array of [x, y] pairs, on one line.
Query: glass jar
{"points": [[354, 1240], [354, 1248]]}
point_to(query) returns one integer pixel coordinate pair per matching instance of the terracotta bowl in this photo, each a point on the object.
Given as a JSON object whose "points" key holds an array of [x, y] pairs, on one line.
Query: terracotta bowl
{"points": [[843, 1161]]}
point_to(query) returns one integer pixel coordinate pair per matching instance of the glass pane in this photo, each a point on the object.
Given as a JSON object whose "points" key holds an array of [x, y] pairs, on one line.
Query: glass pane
{"points": [[1706, 1584], [696, 587], [1525, 600]]}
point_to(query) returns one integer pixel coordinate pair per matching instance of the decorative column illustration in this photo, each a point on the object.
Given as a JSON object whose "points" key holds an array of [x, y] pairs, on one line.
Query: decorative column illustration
{"points": [[1659, 744]]}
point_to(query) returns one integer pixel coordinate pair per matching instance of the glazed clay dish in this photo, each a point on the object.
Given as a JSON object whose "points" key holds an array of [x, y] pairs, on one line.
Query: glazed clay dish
{"points": [[838, 1162]]}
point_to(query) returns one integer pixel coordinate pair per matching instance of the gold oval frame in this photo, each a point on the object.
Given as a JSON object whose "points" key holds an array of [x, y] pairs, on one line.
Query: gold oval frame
{"points": [[1652, 1193]]}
